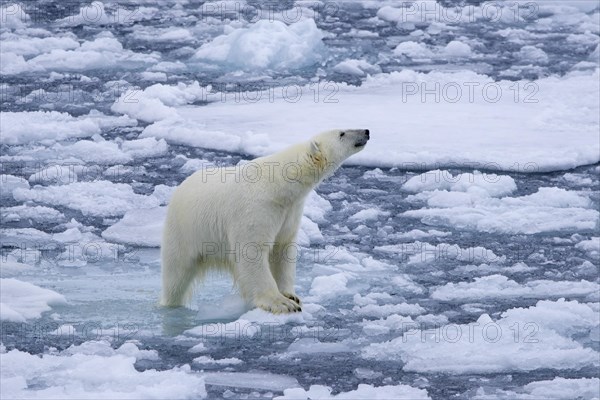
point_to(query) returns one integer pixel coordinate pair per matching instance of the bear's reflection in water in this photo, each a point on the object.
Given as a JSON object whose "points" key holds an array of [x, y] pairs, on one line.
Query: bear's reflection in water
{"points": [[207, 313]]}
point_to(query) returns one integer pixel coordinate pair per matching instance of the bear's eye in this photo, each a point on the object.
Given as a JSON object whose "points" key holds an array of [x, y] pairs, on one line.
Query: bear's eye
{"points": [[342, 134]]}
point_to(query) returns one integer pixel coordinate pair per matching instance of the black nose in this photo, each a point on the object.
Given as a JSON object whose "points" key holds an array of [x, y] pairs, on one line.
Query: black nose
{"points": [[367, 132]]}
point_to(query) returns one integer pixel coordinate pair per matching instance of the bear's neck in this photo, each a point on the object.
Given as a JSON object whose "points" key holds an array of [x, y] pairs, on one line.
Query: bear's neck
{"points": [[296, 171]]}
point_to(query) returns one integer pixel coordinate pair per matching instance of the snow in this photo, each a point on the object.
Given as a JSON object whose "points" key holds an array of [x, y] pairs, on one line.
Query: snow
{"points": [[76, 245], [265, 44], [565, 6], [554, 389], [156, 102], [413, 50], [97, 14], [590, 246], [143, 148], [98, 198], [74, 374], [457, 49], [32, 46], [37, 214], [567, 318], [140, 227], [13, 16], [199, 348], [467, 103], [9, 266], [312, 346], [24, 235], [97, 151], [532, 54], [550, 209], [223, 361], [488, 346], [467, 201], [175, 35], [356, 67], [252, 380], [103, 52], [417, 234], [559, 387], [329, 286], [364, 391], [426, 253], [8, 184], [487, 184], [184, 132], [406, 285], [379, 311], [57, 174], [500, 287], [385, 325], [316, 207], [368, 215], [154, 76], [163, 193], [21, 301], [448, 222], [50, 126], [309, 233]]}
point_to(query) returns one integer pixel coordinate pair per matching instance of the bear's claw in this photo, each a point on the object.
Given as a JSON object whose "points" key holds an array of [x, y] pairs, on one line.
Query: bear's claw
{"points": [[278, 304], [293, 297]]}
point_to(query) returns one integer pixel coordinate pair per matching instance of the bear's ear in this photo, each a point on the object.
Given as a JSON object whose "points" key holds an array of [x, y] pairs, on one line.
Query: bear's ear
{"points": [[314, 147], [317, 157]]}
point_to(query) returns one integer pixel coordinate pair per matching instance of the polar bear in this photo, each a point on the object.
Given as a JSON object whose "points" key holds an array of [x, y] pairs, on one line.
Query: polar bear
{"points": [[243, 219]]}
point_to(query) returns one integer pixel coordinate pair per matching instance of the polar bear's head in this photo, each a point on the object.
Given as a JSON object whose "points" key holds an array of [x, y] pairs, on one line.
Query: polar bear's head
{"points": [[329, 149], [333, 147]]}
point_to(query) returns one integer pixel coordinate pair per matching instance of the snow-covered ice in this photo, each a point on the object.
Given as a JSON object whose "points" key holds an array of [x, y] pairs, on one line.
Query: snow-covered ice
{"points": [[266, 44], [100, 198], [75, 373], [22, 300], [49, 126], [457, 256], [510, 343], [481, 202], [553, 389], [499, 286], [362, 392], [542, 145]]}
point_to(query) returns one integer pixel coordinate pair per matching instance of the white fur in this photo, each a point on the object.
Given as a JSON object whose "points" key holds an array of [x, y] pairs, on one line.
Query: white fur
{"points": [[242, 219]]}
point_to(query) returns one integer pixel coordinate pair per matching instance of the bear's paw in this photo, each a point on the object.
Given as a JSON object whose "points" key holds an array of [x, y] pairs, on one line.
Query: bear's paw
{"points": [[277, 303]]}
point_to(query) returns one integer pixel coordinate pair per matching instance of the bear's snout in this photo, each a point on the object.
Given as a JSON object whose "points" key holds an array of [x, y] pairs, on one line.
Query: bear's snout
{"points": [[362, 139]]}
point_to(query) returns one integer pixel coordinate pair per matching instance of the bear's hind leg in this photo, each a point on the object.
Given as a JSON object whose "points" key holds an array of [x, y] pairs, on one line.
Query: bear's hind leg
{"points": [[178, 276]]}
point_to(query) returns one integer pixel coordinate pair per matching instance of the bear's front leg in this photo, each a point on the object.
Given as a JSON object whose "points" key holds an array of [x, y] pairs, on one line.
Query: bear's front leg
{"points": [[256, 282], [283, 266]]}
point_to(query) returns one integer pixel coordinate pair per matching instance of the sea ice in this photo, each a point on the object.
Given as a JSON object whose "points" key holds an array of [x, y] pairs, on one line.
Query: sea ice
{"points": [[500, 287], [364, 391], [538, 143], [487, 346], [550, 209], [21, 301], [98, 198], [74, 374], [266, 44]]}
